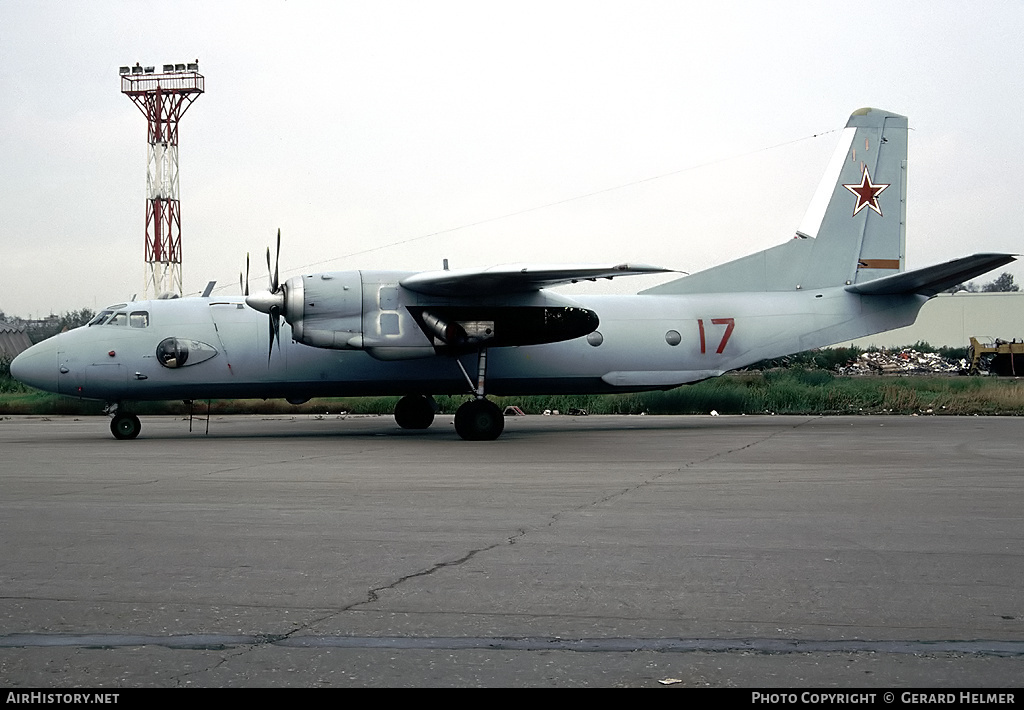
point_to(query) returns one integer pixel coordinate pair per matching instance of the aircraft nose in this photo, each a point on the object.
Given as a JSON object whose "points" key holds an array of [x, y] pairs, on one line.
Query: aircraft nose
{"points": [[37, 367]]}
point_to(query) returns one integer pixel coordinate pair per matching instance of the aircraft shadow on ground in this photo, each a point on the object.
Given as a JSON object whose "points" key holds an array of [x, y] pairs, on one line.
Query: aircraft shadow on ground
{"points": [[362, 427]]}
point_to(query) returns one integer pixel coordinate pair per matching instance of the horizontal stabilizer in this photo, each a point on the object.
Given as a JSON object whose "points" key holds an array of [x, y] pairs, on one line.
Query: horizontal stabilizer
{"points": [[933, 279], [515, 278]]}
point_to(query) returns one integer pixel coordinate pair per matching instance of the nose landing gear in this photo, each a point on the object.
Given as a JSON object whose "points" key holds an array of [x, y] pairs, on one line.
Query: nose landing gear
{"points": [[123, 425]]}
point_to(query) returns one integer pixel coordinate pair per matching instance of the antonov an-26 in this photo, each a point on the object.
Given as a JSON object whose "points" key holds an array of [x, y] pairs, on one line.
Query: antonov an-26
{"points": [[501, 331]]}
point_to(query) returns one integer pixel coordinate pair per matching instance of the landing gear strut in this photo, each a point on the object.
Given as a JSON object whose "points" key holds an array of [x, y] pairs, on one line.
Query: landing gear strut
{"points": [[479, 419], [415, 412]]}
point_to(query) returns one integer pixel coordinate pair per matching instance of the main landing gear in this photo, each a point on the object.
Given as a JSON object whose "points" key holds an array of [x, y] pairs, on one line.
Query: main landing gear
{"points": [[476, 420], [415, 412], [479, 419], [123, 425]]}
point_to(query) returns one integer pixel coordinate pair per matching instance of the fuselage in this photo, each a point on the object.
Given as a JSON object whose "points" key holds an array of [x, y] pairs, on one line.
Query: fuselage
{"points": [[201, 348]]}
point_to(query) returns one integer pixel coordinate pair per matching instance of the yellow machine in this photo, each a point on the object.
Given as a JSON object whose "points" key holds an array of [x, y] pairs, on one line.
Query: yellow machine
{"points": [[999, 357]]}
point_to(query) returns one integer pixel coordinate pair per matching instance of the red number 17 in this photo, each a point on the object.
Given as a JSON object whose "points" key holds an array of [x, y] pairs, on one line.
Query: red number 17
{"points": [[729, 324]]}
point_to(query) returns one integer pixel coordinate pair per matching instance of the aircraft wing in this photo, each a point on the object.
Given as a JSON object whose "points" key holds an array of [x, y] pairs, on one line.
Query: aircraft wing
{"points": [[515, 278], [933, 279]]}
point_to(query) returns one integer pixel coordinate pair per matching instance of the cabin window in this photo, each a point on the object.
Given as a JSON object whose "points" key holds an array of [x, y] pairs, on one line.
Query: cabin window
{"points": [[172, 353], [180, 352]]}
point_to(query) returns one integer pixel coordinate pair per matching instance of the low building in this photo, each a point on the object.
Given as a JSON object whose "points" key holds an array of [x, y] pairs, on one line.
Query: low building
{"points": [[13, 340], [949, 320]]}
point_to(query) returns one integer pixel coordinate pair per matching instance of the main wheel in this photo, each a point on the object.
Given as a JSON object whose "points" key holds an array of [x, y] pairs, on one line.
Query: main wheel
{"points": [[414, 412], [479, 420], [125, 426]]}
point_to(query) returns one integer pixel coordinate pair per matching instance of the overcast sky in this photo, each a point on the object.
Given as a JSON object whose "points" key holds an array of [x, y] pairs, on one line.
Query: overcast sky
{"points": [[396, 134]]}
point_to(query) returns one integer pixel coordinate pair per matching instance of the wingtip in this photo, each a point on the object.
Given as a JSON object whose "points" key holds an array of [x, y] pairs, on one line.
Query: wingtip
{"points": [[645, 268]]}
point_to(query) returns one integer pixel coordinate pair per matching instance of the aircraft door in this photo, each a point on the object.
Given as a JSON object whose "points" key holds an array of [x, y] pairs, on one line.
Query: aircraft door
{"points": [[243, 340]]}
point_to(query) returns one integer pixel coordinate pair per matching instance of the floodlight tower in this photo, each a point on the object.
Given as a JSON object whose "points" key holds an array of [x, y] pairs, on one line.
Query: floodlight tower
{"points": [[163, 98]]}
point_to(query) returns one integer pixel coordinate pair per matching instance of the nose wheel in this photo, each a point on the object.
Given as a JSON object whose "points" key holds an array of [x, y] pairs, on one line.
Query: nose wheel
{"points": [[125, 426]]}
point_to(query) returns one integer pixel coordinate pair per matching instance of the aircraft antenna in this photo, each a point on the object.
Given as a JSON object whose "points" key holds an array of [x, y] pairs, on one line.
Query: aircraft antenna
{"points": [[163, 98]]}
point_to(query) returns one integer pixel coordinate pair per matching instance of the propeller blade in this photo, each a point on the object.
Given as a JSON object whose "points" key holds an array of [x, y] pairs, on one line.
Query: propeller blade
{"points": [[275, 317], [243, 285], [277, 260], [275, 331], [270, 273], [270, 350], [274, 301]]}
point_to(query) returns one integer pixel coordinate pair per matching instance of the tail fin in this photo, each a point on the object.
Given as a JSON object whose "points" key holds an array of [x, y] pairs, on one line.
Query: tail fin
{"points": [[862, 233], [855, 228]]}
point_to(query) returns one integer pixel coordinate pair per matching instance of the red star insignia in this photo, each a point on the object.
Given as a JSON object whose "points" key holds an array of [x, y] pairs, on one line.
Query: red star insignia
{"points": [[867, 193]]}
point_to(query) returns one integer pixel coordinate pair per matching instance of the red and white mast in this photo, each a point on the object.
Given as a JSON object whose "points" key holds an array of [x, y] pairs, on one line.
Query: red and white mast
{"points": [[163, 98]]}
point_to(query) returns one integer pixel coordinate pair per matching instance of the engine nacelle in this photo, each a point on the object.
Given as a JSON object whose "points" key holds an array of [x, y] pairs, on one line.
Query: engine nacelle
{"points": [[326, 310], [354, 310], [369, 310]]}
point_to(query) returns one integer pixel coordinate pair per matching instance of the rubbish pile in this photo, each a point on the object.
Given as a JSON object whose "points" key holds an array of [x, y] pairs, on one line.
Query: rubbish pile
{"points": [[905, 362]]}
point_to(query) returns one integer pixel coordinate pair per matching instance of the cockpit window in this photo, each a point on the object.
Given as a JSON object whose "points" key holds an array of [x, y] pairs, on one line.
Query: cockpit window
{"points": [[101, 318], [137, 319]]}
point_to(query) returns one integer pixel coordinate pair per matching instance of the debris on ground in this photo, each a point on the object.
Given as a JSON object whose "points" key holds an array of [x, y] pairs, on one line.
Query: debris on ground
{"points": [[904, 362]]}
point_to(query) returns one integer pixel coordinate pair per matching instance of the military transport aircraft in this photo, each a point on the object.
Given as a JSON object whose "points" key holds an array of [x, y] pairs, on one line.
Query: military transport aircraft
{"points": [[501, 331]]}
